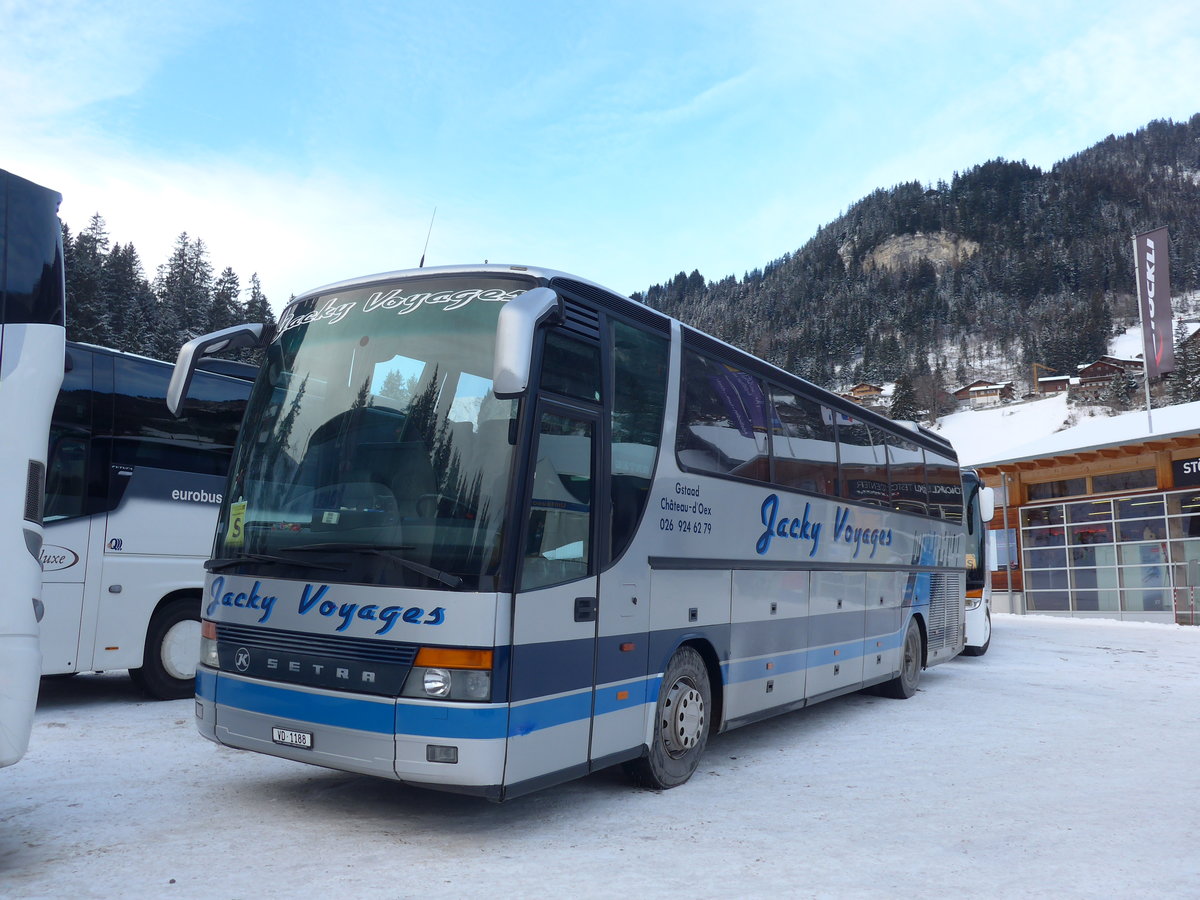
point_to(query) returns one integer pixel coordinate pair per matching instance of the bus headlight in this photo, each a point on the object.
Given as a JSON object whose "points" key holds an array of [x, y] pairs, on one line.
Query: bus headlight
{"points": [[450, 674], [974, 598], [436, 682]]}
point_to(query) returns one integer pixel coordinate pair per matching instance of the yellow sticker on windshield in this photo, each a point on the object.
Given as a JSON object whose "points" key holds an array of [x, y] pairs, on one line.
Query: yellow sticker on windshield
{"points": [[235, 535]]}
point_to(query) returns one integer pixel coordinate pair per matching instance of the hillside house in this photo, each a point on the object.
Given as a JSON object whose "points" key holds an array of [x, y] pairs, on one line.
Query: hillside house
{"points": [[1053, 384], [982, 393], [1095, 378]]}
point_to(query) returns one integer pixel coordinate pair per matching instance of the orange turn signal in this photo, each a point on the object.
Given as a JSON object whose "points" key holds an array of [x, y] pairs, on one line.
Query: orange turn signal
{"points": [[450, 658]]}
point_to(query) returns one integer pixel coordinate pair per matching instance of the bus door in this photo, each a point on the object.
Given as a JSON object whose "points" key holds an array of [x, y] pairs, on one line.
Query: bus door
{"points": [[556, 602], [70, 528]]}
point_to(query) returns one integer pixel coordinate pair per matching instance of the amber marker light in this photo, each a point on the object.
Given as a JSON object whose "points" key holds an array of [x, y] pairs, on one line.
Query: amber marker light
{"points": [[627, 646], [208, 630], [449, 658]]}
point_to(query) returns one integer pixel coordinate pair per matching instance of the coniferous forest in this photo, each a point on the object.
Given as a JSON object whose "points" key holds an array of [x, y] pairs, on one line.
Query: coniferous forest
{"points": [[111, 302], [1004, 262], [930, 282]]}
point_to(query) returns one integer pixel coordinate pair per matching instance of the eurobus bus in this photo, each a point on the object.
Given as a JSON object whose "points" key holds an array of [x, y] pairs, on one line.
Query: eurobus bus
{"points": [[980, 506], [131, 501], [32, 335], [490, 528]]}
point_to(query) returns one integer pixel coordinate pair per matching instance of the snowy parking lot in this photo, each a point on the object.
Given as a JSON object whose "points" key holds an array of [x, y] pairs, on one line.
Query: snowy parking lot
{"points": [[1063, 763]]}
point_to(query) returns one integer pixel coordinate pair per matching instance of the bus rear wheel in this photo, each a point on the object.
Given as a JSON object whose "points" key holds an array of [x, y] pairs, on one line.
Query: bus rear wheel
{"points": [[905, 684], [168, 669], [681, 724]]}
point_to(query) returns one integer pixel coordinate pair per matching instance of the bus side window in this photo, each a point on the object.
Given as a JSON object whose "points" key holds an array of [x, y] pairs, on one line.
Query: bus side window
{"points": [[148, 435], [804, 449], [945, 487], [723, 428], [864, 462], [640, 364], [906, 464]]}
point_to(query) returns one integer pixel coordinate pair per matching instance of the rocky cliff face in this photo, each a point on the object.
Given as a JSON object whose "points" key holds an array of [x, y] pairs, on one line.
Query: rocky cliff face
{"points": [[902, 252]]}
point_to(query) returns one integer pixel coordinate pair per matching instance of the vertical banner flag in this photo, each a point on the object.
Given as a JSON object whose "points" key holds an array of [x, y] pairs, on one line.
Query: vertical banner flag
{"points": [[1154, 301]]}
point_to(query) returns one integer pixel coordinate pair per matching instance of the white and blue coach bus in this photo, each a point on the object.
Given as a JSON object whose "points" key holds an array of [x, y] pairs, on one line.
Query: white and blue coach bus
{"points": [[490, 528], [32, 337]]}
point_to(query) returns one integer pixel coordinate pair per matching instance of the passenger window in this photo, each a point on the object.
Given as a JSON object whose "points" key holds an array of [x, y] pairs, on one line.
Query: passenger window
{"points": [[723, 428], [864, 462], [640, 361], [148, 435], [945, 487], [906, 467], [803, 444]]}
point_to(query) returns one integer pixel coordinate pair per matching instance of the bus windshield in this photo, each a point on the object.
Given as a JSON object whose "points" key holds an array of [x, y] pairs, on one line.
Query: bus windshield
{"points": [[374, 450]]}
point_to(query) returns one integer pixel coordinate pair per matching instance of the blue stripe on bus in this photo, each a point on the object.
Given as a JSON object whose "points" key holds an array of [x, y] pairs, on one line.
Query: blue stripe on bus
{"points": [[320, 709], [206, 684], [755, 669], [495, 722]]}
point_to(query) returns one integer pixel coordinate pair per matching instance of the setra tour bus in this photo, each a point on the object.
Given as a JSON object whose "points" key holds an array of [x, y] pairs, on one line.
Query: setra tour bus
{"points": [[32, 337], [489, 528]]}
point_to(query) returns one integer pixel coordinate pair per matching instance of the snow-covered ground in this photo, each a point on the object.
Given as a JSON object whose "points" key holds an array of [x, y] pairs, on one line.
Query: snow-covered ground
{"points": [[1063, 763]]}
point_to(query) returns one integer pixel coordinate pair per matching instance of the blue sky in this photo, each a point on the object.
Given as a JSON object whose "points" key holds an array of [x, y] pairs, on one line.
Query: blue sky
{"points": [[620, 141]]}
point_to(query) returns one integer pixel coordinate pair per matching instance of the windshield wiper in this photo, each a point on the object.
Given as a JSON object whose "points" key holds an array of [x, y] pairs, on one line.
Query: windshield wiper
{"points": [[389, 554], [216, 565]]}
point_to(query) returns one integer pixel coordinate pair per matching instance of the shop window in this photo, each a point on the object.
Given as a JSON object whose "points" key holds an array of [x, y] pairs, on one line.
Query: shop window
{"points": [[1052, 490], [1048, 601], [1137, 480], [1041, 515], [1140, 507], [1092, 511]]}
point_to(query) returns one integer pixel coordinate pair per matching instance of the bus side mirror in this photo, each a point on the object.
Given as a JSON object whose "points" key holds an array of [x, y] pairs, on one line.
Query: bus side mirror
{"points": [[519, 321], [234, 338], [987, 504]]}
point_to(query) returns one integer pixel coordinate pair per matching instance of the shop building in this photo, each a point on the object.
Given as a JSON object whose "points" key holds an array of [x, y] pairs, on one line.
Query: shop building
{"points": [[1102, 520]]}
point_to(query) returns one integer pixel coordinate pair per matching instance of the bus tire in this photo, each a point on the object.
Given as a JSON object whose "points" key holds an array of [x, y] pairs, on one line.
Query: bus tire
{"points": [[982, 648], [168, 669], [905, 684], [681, 724]]}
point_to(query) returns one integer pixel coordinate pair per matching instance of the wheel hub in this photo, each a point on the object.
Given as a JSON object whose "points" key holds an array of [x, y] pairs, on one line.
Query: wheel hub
{"points": [[683, 718]]}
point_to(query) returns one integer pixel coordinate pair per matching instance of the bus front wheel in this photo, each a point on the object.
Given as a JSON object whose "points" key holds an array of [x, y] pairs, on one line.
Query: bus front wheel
{"points": [[681, 724], [905, 684], [168, 669]]}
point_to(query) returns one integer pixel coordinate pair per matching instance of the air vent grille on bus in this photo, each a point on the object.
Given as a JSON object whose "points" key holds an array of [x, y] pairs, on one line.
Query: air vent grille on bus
{"points": [[332, 646], [639, 312], [35, 491], [945, 610], [581, 320]]}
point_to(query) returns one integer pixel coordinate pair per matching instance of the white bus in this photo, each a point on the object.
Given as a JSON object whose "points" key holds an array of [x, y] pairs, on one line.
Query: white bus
{"points": [[32, 335], [131, 500], [490, 528], [981, 506]]}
